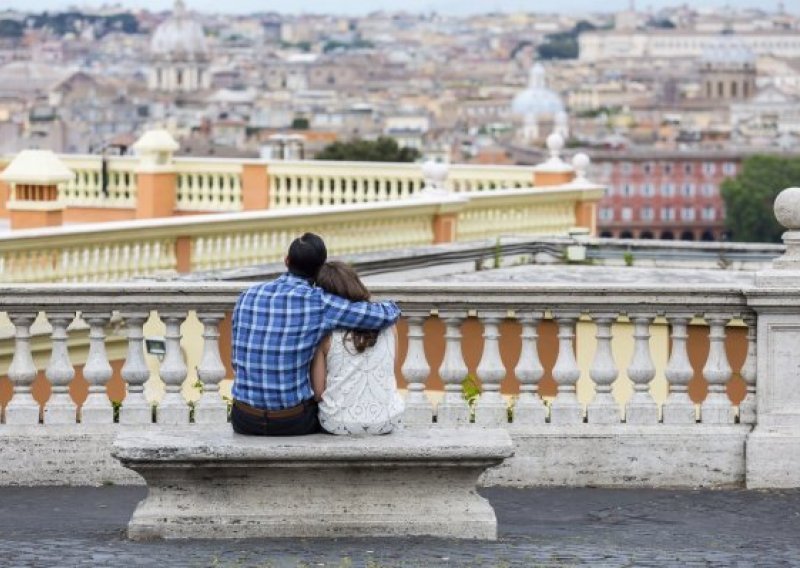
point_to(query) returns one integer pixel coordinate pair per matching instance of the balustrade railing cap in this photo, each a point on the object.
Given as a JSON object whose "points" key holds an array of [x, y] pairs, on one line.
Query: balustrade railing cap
{"points": [[36, 167]]}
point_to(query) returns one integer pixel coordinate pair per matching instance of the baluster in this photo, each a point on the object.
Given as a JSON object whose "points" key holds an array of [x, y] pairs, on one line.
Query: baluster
{"points": [[97, 371], [173, 409], [491, 409], [211, 409], [566, 409], [135, 409], [22, 408], [679, 408], [453, 409], [716, 408], [641, 408], [217, 191], [415, 370], [60, 409], [747, 408], [338, 194], [529, 408], [603, 409]]}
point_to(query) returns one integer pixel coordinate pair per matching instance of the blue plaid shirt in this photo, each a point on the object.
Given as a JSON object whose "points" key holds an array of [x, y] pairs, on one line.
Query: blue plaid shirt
{"points": [[276, 329]]}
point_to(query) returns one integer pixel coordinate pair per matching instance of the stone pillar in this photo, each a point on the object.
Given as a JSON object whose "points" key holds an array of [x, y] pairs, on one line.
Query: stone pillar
{"points": [[773, 448], [554, 171], [33, 178], [255, 186], [5, 193], [445, 220], [585, 210], [156, 179]]}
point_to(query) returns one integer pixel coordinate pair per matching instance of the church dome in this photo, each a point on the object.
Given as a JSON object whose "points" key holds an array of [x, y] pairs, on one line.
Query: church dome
{"points": [[537, 99], [179, 37], [728, 50]]}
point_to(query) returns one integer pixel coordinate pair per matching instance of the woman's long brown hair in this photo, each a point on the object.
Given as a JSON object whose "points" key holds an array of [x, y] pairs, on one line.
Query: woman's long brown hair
{"points": [[340, 279]]}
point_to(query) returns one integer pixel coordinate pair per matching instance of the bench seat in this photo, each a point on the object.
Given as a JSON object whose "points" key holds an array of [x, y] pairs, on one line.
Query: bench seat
{"points": [[207, 482]]}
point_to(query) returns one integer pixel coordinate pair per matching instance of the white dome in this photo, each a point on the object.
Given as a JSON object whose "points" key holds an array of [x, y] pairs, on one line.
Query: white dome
{"points": [[179, 37], [537, 99], [728, 50]]}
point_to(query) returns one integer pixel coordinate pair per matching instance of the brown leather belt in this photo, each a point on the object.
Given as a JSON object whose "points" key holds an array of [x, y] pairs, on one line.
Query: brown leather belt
{"points": [[290, 412]]}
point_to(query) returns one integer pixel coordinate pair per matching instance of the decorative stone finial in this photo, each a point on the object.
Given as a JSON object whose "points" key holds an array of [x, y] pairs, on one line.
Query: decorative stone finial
{"points": [[787, 212], [435, 176], [580, 162], [787, 208], [36, 167], [555, 143], [155, 148]]}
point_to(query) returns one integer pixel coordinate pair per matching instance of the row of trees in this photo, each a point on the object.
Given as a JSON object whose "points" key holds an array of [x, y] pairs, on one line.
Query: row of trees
{"points": [[62, 23], [384, 149], [750, 195]]}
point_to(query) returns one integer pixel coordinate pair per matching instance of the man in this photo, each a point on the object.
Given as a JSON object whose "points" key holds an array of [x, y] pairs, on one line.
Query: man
{"points": [[276, 329]]}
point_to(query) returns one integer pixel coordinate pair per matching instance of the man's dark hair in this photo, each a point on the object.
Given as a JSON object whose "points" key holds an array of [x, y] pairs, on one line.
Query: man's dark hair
{"points": [[306, 256]]}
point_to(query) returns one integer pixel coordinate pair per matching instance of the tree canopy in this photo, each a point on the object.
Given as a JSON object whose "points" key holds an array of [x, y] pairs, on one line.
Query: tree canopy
{"points": [[564, 45], [749, 197], [384, 149]]}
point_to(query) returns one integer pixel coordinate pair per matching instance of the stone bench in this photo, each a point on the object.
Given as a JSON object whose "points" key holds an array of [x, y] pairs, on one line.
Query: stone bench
{"points": [[207, 482]]}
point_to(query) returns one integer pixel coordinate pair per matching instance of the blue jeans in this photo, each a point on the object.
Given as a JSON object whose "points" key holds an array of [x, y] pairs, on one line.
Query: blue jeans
{"points": [[299, 425]]}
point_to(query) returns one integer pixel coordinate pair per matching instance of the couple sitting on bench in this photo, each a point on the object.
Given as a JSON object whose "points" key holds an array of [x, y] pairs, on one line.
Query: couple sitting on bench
{"points": [[312, 354]]}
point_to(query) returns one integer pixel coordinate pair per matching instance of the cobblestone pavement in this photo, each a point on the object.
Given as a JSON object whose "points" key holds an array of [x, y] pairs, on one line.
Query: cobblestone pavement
{"points": [[65, 527]]}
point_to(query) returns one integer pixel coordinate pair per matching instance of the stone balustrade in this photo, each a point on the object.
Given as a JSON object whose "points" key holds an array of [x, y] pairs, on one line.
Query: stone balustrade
{"points": [[107, 189], [520, 307], [127, 249], [96, 186], [208, 185], [310, 183], [603, 347], [157, 184]]}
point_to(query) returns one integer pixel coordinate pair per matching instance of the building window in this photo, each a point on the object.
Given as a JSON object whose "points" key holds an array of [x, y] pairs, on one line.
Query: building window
{"points": [[606, 213], [627, 190], [687, 168], [687, 214], [627, 168], [627, 214], [648, 190], [667, 190], [647, 214], [709, 168], [729, 169], [687, 190], [609, 191], [667, 213], [667, 169], [709, 190], [648, 168], [709, 213]]}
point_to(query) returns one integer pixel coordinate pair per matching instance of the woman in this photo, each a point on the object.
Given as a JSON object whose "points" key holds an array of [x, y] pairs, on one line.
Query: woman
{"points": [[352, 372]]}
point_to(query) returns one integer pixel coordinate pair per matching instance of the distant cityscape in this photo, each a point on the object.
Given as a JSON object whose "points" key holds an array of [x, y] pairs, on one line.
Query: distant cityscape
{"points": [[667, 102]]}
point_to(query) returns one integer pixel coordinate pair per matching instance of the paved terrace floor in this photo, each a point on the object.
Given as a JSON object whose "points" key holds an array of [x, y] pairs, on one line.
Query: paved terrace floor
{"points": [[64, 527]]}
